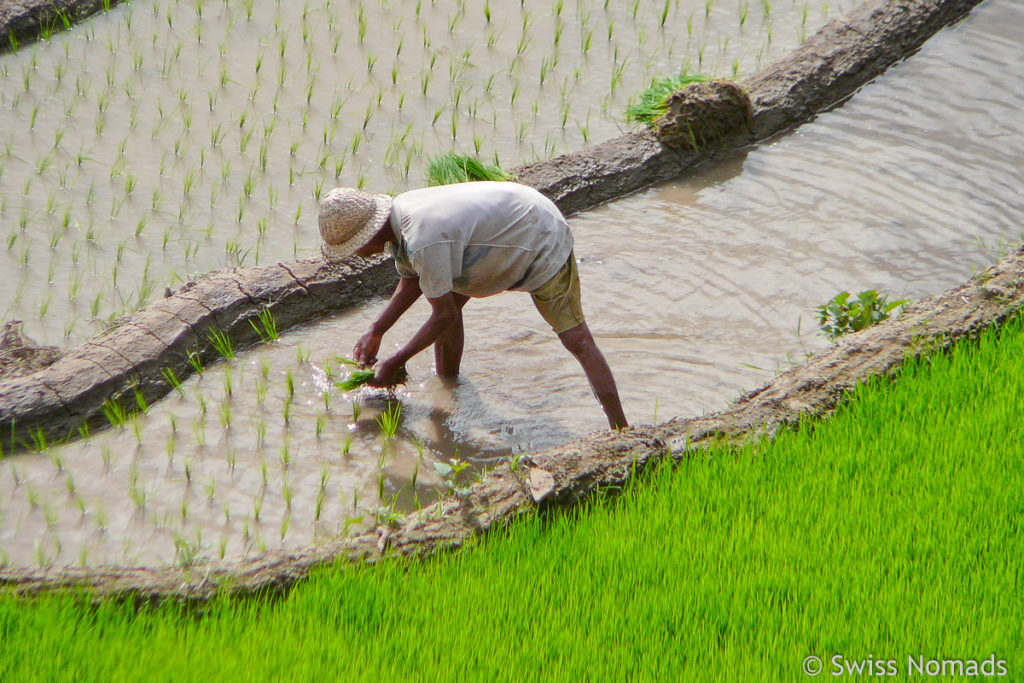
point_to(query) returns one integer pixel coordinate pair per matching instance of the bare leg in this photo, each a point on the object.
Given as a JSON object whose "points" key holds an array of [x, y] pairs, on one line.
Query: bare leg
{"points": [[448, 347], [580, 343]]}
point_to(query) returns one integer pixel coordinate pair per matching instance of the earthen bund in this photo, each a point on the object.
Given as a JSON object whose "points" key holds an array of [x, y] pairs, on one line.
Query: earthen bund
{"points": [[130, 358]]}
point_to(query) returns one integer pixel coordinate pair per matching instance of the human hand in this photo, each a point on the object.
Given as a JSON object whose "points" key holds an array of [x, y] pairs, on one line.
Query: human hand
{"points": [[390, 372], [365, 350]]}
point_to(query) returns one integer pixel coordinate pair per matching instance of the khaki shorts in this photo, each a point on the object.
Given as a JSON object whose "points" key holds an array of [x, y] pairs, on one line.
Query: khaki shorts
{"points": [[558, 299]]}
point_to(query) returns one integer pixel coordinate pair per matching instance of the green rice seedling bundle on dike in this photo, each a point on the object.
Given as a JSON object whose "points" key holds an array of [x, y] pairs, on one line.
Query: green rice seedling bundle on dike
{"points": [[652, 101], [693, 112]]}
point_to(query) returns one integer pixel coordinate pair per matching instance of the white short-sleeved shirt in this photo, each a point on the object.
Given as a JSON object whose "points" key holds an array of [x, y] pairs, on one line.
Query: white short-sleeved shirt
{"points": [[478, 238]]}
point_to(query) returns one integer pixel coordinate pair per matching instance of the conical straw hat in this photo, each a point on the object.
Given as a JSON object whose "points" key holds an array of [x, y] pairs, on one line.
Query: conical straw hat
{"points": [[348, 218]]}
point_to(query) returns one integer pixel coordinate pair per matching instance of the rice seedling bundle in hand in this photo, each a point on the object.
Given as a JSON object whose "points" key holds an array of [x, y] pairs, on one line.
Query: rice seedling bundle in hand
{"points": [[357, 376], [355, 379]]}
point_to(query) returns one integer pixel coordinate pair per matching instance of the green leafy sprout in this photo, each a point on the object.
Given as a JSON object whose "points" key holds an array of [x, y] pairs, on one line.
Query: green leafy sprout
{"points": [[389, 419], [267, 329], [842, 314], [222, 343]]}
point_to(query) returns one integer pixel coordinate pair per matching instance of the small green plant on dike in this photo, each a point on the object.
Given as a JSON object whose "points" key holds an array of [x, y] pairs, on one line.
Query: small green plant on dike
{"points": [[842, 315], [222, 343], [651, 102], [267, 329], [451, 168]]}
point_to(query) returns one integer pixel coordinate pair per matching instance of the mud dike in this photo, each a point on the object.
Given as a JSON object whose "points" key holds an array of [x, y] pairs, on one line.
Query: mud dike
{"points": [[130, 358]]}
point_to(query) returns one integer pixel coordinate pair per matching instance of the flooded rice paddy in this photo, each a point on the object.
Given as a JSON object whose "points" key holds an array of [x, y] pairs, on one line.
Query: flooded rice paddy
{"points": [[696, 291], [168, 138]]}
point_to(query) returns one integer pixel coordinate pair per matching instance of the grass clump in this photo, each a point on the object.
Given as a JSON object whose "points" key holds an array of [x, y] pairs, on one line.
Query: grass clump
{"points": [[451, 168], [388, 420], [650, 103], [222, 343], [267, 329], [842, 315]]}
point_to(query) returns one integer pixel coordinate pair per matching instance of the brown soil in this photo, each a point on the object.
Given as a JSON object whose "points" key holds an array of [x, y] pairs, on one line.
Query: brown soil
{"points": [[19, 355], [704, 114]]}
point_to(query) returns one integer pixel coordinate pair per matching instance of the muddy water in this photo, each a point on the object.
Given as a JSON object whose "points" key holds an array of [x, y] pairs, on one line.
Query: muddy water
{"points": [[696, 291], [165, 139]]}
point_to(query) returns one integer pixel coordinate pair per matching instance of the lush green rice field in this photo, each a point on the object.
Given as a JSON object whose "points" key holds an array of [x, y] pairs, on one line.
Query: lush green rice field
{"points": [[889, 533]]}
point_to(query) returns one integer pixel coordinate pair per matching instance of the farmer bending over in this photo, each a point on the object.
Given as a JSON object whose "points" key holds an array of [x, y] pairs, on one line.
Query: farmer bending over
{"points": [[454, 242]]}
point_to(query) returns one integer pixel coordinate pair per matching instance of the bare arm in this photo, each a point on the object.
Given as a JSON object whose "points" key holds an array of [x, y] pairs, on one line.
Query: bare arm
{"points": [[405, 295], [444, 313]]}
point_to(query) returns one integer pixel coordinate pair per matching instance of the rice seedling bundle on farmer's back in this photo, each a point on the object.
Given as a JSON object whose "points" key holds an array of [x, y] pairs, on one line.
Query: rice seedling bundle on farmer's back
{"points": [[448, 169]]}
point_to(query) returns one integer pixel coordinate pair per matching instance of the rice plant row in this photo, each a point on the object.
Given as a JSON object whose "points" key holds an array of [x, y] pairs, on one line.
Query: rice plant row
{"points": [[234, 462], [163, 139]]}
